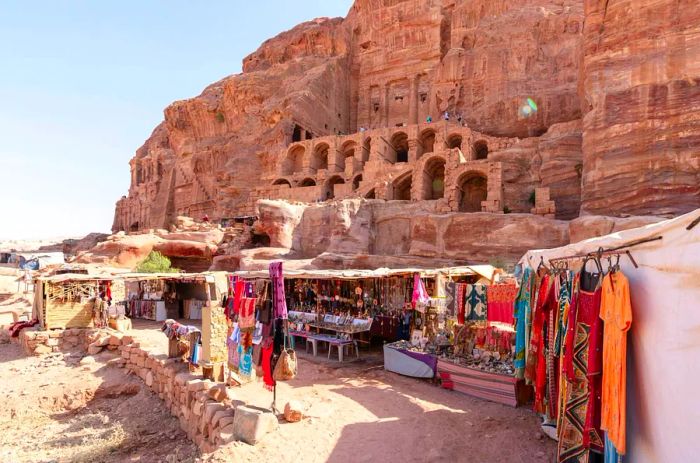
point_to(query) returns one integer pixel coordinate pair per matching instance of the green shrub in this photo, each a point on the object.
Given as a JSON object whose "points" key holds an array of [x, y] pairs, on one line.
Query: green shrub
{"points": [[155, 262], [506, 210], [220, 116]]}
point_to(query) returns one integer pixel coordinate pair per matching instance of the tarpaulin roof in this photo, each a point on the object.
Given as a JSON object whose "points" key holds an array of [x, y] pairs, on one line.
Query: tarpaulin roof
{"points": [[485, 271]]}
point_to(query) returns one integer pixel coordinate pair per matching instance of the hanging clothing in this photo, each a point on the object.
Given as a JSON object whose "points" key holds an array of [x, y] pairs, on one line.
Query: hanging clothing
{"points": [[278, 299], [239, 289], [246, 317], [579, 432], [616, 311], [535, 344], [460, 294], [245, 365], [475, 302], [521, 309], [420, 295], [611, 453], [268, 380], [500, 299]]}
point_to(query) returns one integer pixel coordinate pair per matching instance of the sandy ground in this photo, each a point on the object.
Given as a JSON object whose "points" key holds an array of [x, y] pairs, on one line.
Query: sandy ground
{"points": [[54, 409]]}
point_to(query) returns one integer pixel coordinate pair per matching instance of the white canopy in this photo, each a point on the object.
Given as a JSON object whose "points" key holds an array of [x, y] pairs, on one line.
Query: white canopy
{"points": [[663, 360]]}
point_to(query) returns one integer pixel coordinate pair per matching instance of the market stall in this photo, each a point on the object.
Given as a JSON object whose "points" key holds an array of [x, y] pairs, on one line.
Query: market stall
{"points": [[606, 329], [169, 295], [76, 300]]}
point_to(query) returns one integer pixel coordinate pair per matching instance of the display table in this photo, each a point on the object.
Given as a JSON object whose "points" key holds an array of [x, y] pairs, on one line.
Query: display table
{"points": [[409, 363], [482, 384]]}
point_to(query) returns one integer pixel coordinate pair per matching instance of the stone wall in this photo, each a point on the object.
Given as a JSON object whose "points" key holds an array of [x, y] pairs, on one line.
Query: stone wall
{"points": [[206, 409]]}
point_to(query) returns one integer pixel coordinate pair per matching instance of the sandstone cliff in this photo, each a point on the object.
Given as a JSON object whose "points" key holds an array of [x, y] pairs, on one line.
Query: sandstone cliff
{"points": [[595, 100]]}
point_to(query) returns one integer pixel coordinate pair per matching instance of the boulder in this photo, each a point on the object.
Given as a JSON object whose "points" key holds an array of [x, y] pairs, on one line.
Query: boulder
{"points": [[94, 349], [250, 424], [88, 360], [293, 411]]}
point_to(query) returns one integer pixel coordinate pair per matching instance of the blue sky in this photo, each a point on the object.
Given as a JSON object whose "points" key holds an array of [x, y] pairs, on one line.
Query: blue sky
{"points": [[83, 84]]}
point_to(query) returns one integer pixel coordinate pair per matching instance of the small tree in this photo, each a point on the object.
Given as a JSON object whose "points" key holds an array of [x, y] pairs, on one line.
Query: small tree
{"points": [[155, 262]]}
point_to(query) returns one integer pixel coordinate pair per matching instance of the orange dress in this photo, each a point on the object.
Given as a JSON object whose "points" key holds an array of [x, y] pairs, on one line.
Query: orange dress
{"points": [[616, 312]]}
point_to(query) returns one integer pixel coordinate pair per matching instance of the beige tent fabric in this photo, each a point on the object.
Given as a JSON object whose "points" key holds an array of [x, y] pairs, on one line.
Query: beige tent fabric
{"points": [[663, 360]]}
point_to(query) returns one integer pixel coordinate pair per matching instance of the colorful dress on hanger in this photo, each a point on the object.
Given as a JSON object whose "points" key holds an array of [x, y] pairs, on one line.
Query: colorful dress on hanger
{"points": [[579, 432], [460, 294], [616, 311], [476, 306], [521, 314]]}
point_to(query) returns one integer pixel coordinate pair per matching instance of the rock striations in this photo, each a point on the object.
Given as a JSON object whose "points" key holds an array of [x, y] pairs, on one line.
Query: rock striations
{"points": [[556, 108]]}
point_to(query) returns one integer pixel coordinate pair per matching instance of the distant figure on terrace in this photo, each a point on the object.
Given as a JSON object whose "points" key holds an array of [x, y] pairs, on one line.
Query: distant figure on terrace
{"points": [[205, 218], [428, 119], [446, 116]]}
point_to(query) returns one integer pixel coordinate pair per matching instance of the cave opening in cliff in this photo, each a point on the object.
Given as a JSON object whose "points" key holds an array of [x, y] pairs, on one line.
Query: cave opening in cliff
{"points": [[320, 158], [371, 194], [402, 188], [472, 191], [297, 133], [308, 182], [260, 240], [331, 185], [427, 141], [356, 182], [455, 141], [481, 150], [282, 181], [295, 160], [399, 143], [434, 179]]}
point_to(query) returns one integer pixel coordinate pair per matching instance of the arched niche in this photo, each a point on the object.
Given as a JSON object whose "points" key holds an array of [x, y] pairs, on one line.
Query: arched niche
{"points": [[308, 182], [480, 150], [330, 186], [402, 187], [319, 160], [356, 182], [294, 162], [454, 141], [433, 186], [472, 190], [282, 181], [427, 142], [399, 145]]}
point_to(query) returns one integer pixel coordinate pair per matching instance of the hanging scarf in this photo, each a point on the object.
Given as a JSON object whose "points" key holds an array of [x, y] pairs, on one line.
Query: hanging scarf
{"points": [[420, 295], [246, 317], [522, 309], [268, 380], [278, 298]]}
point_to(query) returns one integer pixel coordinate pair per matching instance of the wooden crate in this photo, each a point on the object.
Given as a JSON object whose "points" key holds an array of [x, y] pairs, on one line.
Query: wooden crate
{"points": [[484, 385]]}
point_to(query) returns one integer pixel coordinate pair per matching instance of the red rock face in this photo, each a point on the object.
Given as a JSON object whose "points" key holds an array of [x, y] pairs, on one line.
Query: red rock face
{"points": [[641, 86], [525, 69]]}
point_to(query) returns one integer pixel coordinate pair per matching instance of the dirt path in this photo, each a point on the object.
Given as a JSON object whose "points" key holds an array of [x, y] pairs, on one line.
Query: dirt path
{"points": [[55, 409]]}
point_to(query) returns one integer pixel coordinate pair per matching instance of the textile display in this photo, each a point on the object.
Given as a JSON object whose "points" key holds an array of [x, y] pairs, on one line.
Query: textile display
{"points": [[278, 298], [521, 314], [500, 298], [420, 295], [246, 316], [450, 303], [268, 380], [460, 295], [245, 364], [660, 366], [616, 311], [476, 302]]}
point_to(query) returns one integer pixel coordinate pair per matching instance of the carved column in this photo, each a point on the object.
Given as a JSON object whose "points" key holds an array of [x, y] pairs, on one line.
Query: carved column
{"points": [[385, 105], [413, 101], [412, 150]]}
